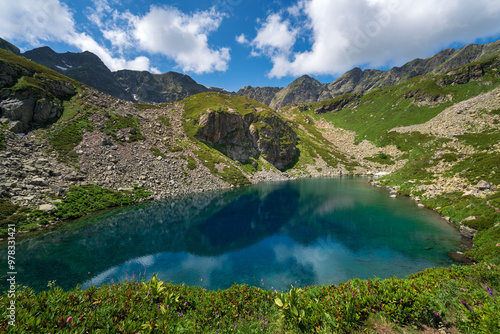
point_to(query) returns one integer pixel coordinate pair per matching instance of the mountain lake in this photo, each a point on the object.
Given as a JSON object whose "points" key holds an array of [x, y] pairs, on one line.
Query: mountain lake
{"points": [[271, 235]]}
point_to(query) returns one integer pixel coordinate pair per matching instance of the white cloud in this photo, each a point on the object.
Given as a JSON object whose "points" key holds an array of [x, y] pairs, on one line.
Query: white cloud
{"points": [[34, 20], [349, 33], [276, 35], [52, 20], [242, 39], [85, 42], [183, 38]]}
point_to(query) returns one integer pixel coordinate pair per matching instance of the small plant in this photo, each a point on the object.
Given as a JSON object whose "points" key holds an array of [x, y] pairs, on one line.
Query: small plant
{"points": [[155, 287], [191, 164], [164, 120], [157, 153], [288, 304]]}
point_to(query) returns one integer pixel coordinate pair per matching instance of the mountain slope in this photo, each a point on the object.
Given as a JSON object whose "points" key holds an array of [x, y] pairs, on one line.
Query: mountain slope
{"points": [[437, 136], [9, 47]]}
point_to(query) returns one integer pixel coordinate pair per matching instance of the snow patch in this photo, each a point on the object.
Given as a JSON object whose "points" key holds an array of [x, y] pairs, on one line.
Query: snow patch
{"points": [[69, 66], [62, 68]]}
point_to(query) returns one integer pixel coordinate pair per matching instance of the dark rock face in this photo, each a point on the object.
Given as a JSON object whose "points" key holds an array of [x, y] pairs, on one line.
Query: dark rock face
{"points": [[242, 137], [339, 103], [157, 88], [84, 67]]}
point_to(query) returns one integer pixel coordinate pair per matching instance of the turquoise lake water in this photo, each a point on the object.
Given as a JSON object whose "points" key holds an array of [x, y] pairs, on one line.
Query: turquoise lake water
{"points": [[273, 235]]}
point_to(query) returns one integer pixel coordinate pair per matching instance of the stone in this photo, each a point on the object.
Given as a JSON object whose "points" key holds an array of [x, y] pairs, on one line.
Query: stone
{"points": [[38, 181], [242, 137], [16, 127], [467, 231], [483, 185], [47, 207]]}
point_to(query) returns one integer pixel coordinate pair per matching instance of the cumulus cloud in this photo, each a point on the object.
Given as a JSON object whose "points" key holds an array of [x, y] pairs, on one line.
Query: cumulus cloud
{"points": [[164, 30], [183, 38], [348, 33], [275, 36], [52, 20], [242, 39], [34, 20]]}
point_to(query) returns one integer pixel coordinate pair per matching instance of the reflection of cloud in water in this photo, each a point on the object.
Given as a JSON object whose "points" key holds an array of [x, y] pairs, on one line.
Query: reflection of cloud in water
{"points": [[204, 266], [176, 267], [331, 262], [334, 204], [121, 272]]}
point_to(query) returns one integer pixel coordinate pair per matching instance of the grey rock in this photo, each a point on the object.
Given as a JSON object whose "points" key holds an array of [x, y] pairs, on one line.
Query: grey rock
{"points": [[16, 127], [467, 231], [47, 207], [483, 185], [38, 182]]}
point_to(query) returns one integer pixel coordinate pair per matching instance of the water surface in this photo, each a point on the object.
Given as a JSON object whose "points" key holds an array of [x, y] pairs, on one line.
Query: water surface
{"points": [[273, 235]]}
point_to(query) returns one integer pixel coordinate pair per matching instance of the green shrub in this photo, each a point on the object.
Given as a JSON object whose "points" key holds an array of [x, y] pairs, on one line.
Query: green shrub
{"points": [[157, 153], [463, 297], [118, 122], [82, 200], [7, 208], [164, 120], [191, 164], [66, 136]]}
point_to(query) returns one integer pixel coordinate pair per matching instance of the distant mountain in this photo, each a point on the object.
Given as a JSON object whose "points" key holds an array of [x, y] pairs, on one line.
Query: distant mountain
{"points": [[261, 94], [306, 89], [136, 86], [84, 67]]}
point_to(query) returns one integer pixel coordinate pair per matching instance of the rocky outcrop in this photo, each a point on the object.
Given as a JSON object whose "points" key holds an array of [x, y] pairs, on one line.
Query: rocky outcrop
{"points": [[29, 100], [242, 137], [344, 101]]}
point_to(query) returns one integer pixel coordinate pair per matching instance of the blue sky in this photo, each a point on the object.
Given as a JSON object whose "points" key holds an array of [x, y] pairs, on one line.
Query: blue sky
{"points": [[234, 43]]}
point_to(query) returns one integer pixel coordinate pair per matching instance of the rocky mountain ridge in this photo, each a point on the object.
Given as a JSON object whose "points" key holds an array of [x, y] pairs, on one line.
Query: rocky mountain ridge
{"points": [[128, 85], [307, 89]]}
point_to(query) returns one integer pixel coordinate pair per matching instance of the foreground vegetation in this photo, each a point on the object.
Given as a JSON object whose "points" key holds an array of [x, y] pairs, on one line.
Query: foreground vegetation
{"points": [[458, 298]]}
